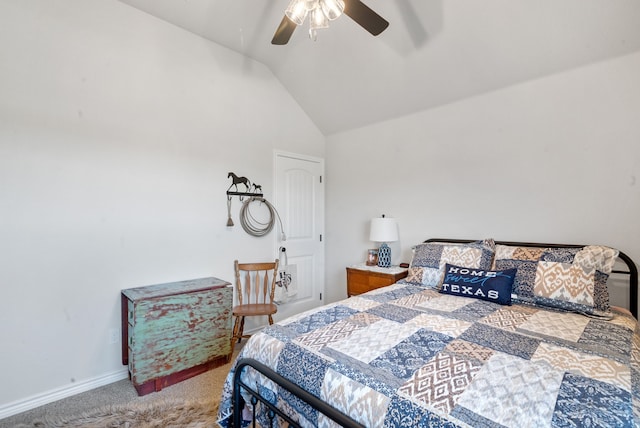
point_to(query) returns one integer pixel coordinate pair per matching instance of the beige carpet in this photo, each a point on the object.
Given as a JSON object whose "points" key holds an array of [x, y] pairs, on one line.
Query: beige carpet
{"points": [[192, 403]]}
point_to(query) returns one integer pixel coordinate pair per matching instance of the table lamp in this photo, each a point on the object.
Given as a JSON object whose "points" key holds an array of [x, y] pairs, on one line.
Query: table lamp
{"points": [[383, 230]]}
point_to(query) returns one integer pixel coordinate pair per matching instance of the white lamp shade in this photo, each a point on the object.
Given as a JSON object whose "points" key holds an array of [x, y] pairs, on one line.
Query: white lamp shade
{"points": [[383, 229]]}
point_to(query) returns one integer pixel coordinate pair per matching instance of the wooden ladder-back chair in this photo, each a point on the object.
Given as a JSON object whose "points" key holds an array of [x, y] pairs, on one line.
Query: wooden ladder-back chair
{"points": [[255, 287]]}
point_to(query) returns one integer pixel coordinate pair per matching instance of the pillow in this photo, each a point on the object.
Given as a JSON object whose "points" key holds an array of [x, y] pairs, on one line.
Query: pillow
{"points": [[489, 285], [428, 260], [573, 279]]}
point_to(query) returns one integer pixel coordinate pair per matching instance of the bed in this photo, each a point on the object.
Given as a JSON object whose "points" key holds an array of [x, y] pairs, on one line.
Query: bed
{"points": [[479, 334]]}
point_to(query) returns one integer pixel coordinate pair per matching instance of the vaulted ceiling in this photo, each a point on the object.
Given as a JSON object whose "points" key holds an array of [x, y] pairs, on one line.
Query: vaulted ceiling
{"points": [[433, 53]]}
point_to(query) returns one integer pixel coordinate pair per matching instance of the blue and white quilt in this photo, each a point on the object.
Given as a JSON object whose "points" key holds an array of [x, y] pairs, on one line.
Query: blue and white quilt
{"points": [[406, 355]]}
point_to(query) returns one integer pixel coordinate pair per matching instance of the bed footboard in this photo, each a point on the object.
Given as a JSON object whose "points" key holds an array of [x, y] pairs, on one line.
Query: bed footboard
{"points": [[238, 402]]}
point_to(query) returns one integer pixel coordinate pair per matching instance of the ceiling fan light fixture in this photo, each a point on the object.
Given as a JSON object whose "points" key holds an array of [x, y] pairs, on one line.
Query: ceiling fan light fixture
{"points": [[321, 12], [297, 11], [332, 9], [317, 20]]}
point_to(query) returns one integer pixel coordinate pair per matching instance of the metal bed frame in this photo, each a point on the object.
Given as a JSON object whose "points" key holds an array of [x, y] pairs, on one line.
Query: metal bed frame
{"points": [[339, 417], [310, 399]]}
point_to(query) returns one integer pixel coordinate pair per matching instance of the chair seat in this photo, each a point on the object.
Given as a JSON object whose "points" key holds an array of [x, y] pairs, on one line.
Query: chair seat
{"points": [[254, 309]]}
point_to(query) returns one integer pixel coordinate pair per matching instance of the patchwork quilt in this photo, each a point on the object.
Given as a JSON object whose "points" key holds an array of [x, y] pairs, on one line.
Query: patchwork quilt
{"points": [[407, 355]]}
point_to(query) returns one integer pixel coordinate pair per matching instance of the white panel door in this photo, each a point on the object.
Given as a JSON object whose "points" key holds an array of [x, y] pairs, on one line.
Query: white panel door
{"points": [[299, 198]]}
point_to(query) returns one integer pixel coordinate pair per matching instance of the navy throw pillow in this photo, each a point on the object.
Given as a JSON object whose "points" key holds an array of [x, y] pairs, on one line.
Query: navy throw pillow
{"points": [[493, 286]]}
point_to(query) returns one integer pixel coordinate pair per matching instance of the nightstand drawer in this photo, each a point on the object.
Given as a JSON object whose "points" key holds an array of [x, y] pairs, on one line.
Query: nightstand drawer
{"points": [[361, 280]]}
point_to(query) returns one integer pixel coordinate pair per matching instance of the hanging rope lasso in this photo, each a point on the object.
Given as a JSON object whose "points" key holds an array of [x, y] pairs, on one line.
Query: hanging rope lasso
{"points": [[255, 227]]}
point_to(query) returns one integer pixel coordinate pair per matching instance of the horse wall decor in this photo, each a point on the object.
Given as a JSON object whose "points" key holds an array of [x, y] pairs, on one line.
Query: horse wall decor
{"points": [[250, 189], [238, 180]]}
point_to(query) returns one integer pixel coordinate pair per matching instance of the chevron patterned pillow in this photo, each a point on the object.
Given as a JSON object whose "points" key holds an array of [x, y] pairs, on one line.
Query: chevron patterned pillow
{"points": [[428, 261], [573, 279]]}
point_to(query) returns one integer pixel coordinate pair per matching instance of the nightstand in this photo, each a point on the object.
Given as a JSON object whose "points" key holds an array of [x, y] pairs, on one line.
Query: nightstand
{"points": [[362, 278]]}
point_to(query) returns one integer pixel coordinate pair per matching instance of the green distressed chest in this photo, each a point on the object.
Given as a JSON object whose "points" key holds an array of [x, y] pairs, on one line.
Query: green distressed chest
{"points": [[176, 330]]}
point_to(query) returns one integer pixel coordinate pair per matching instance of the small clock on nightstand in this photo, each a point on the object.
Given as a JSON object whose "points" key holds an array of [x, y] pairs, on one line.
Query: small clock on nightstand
{"points": [[362, 278]]}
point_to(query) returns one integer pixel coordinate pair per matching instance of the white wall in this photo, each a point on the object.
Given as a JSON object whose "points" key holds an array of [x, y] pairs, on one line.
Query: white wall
{"points": [[551, 160], [116, 135], [117, 131]]}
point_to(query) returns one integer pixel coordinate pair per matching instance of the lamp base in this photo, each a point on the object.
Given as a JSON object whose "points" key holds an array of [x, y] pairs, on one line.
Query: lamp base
{"points": [[384, 255]]}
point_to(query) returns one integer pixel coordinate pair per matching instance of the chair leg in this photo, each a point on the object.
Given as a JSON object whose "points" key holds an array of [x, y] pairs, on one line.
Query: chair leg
{"points": [[270, 320], [236, 327], [241, 330]]}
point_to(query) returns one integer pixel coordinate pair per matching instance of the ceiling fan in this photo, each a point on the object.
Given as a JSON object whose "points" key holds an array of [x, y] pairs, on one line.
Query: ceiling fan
{"points": [[320, 12]]}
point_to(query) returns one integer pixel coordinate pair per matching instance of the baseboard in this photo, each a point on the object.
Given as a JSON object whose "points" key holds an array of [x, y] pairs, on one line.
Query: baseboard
{"points": [[38, 400]]}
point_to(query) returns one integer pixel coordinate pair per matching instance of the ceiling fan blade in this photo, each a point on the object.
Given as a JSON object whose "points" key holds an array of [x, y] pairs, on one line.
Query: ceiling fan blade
{"points": [[365, 16], [283, 32]]}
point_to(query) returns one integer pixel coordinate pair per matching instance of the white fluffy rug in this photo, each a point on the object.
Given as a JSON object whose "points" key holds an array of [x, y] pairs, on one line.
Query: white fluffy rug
{"points": [[142, 415]]}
